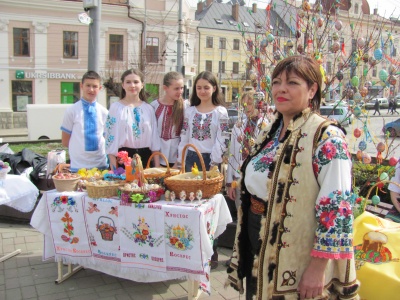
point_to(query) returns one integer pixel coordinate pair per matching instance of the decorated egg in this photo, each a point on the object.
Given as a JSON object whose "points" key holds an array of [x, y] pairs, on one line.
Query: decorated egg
{"points": [[384, 176], [289, 43], [339, 75], [383, 75], [301, 13], [361, 42], [320, 22], [277, 55], [335, 47], [362, 145], [335, 36], [381, 147], [270, 38], [306, 6], [357, 96], [365, 57], [375, 199], [349, 93], [364, 91], [378, 54], [392, 80], [368, 84], [359, 155], [357, 132], [338, 25], [300, 48], [392, 161], [355, 81], [366, 158], [357, 111], [298, 34]]}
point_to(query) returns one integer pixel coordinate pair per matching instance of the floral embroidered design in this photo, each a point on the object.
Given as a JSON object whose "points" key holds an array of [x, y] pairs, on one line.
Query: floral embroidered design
{"points": [[142, 234], [333, 149], [202, 127], [179, 237], [136, 124], [110, 122], [68, 230], [264, 159], [61, 201]]}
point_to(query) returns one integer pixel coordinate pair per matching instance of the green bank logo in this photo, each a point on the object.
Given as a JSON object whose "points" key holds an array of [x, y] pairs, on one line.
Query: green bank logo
{"points": [[19, 74]]}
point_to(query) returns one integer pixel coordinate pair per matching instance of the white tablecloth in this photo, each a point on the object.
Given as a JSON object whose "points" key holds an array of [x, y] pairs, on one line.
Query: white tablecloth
{"points": [[147, 242], [18, 192]]}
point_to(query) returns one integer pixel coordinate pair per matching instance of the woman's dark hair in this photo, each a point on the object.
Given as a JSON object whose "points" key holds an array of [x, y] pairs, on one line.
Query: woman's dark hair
{"points": [[306, 68], [217, 99], [142, 94]]}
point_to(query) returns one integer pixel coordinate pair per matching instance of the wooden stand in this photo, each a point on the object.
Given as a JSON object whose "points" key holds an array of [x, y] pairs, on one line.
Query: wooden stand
{"points": [[70, 271], [5, 257]]}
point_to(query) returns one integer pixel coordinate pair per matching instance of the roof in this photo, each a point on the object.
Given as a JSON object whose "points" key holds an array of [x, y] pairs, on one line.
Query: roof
{"points": [[329, 5], [219, 16]]}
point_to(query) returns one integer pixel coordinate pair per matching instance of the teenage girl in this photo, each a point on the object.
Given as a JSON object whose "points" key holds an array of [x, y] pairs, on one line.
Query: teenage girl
{"points": [[131, 124], [169, 114]]}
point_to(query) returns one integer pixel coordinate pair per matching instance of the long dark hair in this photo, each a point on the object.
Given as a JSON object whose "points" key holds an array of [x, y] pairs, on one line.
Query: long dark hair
{"points": [[217, 99], [142, 94], [306, 68]]}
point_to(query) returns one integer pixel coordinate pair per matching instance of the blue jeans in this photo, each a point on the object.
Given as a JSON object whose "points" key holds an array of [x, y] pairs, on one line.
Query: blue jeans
{"points": [[192, 157]]}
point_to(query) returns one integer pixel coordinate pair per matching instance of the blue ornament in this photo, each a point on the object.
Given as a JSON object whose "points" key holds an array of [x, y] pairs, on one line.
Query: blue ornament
{"points": [[375, 199], [378, 54], [270, 38], [362, 145], [357, 111]]}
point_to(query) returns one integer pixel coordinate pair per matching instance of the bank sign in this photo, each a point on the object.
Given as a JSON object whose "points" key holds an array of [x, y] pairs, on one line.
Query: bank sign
{"points": [[20, 74]]}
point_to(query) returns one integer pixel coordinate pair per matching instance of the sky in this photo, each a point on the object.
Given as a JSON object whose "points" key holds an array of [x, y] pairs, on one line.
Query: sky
{"points": [[386, 7]]}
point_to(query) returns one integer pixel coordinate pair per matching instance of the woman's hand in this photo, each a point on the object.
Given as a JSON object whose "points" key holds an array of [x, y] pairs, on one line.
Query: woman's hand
{"points": [[231, 193], [313, 279]]}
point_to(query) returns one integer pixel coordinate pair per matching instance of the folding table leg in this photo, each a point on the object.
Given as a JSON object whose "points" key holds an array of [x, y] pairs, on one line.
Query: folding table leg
{"points": [[71, 271], [193, 290], [5, 257]]}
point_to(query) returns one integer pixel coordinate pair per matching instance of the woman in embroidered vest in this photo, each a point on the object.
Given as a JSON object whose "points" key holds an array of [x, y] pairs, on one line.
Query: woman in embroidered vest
{"points": [[169, 114], [242, 139], [294, 238], [131, 123]]}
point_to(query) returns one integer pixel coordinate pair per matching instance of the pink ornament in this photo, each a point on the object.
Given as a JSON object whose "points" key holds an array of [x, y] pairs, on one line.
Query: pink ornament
{"points": [[381, 147], [393, 161], [357, 132]]}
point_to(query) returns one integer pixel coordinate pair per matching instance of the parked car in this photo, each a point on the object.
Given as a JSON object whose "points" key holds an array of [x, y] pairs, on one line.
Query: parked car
{"points": [[340, 113], [338, 103], [383, 102], [393, 128]]}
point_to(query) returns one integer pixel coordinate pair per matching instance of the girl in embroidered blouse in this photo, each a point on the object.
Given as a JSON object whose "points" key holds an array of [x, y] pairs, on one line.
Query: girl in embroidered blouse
{"points": [[295, 238], [205, 124], [169, 114], [131, 123]]}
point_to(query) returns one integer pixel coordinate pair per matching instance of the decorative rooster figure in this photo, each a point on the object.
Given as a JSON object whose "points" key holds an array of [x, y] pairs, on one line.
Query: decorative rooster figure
{"points": [[195, 170], [137, 169]]}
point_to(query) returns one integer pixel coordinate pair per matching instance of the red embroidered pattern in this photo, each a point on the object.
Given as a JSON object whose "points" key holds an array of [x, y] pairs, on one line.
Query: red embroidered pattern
{"points": [[167, 124]]}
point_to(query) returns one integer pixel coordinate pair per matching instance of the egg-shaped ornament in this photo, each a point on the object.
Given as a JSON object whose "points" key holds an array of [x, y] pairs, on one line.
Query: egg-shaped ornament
{"points": [[357, 97], [277, 55], [306, 6], [361, 42], [357, 132], [368, 84], [378, 54], [366, 158], [270, 38], [268, 79], [393, 161], [384, 176], [320, 22], [392, 80], [298, 34], [372, 61], [364, 91], [365, 57], [300, 48], [383, 75], [291, 52], [301, 13], [335, 36], [355, 81], [335, 47], [362, 145], [381, 147], [339, 75], [338, 25], [349, 93], [375, 199], [359, 155], [289, 44], [357, 111]]}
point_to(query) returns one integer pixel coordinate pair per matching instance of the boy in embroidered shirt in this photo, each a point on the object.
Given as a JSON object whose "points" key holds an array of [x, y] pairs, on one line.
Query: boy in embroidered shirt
{"points": [[83, 127]]}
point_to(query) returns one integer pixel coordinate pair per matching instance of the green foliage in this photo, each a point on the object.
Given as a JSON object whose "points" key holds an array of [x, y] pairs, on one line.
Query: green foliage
{"points": [[39, 148]]}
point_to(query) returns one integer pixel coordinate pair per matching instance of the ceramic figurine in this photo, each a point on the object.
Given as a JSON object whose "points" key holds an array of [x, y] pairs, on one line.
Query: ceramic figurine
{"points": [[199, 195], [182, 195], [167, 195], [172, 196], [191, 196]]}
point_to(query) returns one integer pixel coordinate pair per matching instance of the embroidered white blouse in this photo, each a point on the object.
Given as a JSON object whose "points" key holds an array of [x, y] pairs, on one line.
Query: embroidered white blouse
{"points": [[131, 127], [207, 131]]}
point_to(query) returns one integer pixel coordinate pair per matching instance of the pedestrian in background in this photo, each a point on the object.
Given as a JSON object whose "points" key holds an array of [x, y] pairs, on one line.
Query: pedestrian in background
{"points": [[376, 107], [394, 107]]}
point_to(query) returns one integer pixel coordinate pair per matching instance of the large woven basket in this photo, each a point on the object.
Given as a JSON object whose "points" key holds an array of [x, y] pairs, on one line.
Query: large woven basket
{"points": [[155, 174], [181, 182], [66, 185], [103, 191]]}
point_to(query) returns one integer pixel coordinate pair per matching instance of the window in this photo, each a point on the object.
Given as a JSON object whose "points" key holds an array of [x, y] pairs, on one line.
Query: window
{"points": [[374, 72], [329, 42], [222, 43], [245, 24], [21, 41], [209, 42], [70, 92], [221, 67], [235, 92], [21, 94], [70, 44], [356, 8], [152, 52], [209, 65], [116, 47], [329, 67], [236, 44], [235, 68]]}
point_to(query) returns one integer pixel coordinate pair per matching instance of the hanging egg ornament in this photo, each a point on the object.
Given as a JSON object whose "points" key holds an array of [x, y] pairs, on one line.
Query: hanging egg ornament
{"points": [[291, 52], [339, 75], [335, 47], [300, 48], [368, 84], [306, 6], [349, 93], [365, 57], [378, 54], [270, 38], [359, 155], [277, 55], [301, 13], [392, 161], [366, 158], [384, 176], [357, 111], [338, 25], [381, 147], [318, 7], [357, 132], [392, 80], [268, 79], [362, 145], [372, 61], [355, 81], [289, 44], [364, 91], [320, 22], [361, 42], [375, 199], [335, 36], [357, 96], [383, 75], [298, 34]]}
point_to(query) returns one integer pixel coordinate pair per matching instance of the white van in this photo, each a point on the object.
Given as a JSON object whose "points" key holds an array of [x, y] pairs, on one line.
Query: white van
{"points": [[340, 113], [383, 103]]}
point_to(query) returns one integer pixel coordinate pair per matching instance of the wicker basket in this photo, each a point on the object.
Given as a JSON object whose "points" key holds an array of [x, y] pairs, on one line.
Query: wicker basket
{"points": [[162, 173], [372, 187], [208, 186], [66, 185], [108, 190]]}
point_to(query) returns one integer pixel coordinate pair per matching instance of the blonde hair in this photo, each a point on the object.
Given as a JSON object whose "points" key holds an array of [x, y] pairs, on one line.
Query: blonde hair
{"points": [[177, 109]]}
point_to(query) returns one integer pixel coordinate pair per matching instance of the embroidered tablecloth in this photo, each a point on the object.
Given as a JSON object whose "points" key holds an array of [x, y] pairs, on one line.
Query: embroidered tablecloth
{"points": [[140, 242]]}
